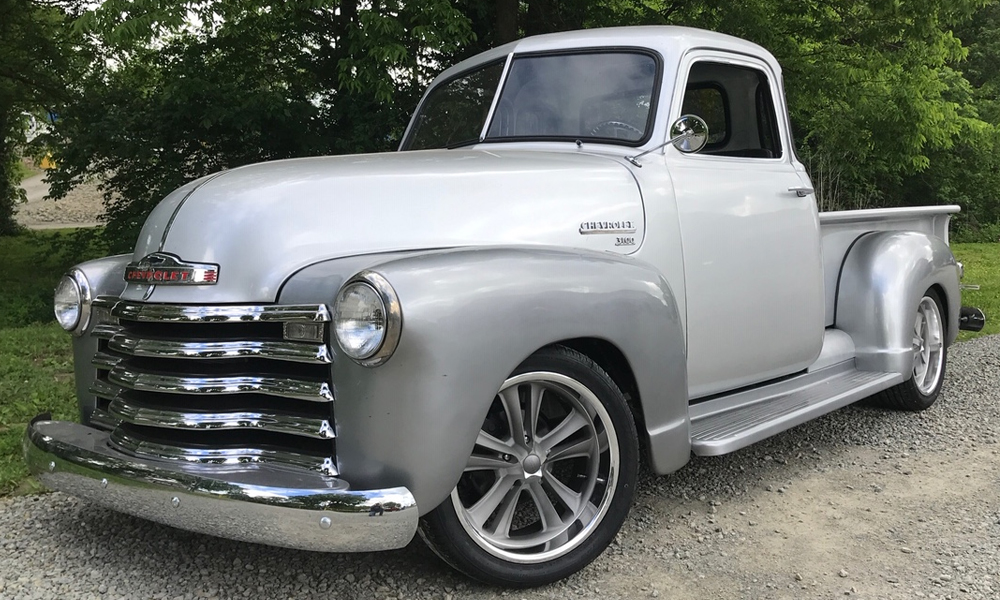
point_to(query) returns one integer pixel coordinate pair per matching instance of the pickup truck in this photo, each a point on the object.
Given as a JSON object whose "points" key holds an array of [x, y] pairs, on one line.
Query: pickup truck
{"points": [[593, 249]]}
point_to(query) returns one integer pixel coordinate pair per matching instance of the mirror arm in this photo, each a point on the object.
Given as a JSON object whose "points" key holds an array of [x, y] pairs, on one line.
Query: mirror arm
{"points": [[635, 159]]}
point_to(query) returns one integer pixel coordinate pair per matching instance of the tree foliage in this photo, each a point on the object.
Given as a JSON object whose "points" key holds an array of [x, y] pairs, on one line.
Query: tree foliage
{"points": [[893, 102], [37, 57], [252, 81]]}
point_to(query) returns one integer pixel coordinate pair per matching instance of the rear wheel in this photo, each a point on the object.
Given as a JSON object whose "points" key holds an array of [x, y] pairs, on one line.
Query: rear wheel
{"points": [[929, 358], [549, 481]]}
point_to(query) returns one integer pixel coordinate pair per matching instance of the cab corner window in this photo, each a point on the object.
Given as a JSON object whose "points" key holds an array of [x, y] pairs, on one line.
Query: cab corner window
{"points": [[737, 105]]}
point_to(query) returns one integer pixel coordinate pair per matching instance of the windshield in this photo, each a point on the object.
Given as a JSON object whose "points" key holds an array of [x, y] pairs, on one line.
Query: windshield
{"points": [[604, 96]]}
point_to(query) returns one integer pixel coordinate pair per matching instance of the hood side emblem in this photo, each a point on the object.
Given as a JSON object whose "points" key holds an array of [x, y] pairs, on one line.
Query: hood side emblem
{"points": [[161, 268], [606, 227]]}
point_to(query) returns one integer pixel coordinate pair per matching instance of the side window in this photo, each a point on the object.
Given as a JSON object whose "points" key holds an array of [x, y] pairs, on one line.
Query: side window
{"points": [[736, 104], [709, 102]]}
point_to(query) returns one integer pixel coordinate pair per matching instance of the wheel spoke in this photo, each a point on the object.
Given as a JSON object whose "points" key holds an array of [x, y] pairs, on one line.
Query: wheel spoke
{"points": [[478, 462], [511, 399], [546, 510], [481, 511], [587, 514], [570, 498], [534, 406], [505, 516], [491, 443], [573, 423], [580, 449]]}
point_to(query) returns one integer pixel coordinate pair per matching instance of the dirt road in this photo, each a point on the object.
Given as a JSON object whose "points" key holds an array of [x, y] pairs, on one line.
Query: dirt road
{"points": [[80, 208]]}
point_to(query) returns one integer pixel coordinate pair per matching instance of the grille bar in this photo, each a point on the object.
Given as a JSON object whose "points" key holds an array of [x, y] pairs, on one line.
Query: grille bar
{"points": [[181, 313], [123, 343], [310, 391], [140, 447], [137, 414]]}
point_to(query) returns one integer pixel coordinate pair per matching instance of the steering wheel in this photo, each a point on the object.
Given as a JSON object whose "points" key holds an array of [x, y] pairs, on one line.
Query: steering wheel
{"points": [[617, 129]]}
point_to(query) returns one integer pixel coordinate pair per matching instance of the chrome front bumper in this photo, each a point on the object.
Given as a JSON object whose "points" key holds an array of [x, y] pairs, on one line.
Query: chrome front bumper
{"points": [[260, 504]]}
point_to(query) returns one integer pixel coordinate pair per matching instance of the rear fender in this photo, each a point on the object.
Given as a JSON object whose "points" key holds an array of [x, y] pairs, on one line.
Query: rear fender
{"points": [[882, 281]]}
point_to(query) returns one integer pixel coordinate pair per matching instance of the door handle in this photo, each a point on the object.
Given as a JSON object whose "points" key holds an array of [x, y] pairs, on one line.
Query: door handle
{"points": [[801, 192]]}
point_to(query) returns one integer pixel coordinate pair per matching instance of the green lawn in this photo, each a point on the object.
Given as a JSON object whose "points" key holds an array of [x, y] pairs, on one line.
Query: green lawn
{"points": [[36, 368], [36, 371], [982, 268]]}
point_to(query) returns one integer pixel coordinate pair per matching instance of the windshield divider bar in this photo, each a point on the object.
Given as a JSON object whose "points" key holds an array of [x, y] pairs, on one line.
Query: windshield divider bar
{"points": [[496, 97]]}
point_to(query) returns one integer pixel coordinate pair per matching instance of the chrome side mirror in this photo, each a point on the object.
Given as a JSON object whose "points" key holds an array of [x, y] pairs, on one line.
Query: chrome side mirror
{"points": [[689, 133]]}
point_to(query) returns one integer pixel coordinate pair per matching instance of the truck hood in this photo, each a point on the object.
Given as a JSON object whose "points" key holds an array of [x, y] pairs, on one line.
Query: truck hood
{"points": [[261, 223]]}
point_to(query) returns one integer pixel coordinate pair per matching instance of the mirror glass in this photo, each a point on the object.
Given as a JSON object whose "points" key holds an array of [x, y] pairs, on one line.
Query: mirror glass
{"points": [[694, 131]]}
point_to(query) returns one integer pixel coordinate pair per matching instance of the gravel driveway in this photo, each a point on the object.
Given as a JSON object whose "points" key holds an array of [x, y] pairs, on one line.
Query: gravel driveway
{"points": [[862, 503], [80, 208]]}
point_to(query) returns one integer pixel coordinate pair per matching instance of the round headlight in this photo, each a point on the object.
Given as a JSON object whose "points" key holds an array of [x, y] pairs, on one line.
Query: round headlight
{"points": [[367, 319], [359, 320], [72, 301]]}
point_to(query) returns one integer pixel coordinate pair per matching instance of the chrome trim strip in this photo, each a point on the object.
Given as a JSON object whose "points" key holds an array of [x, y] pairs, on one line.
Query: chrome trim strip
{"points": [[86, 300], [103, 389], [102, 360], [496, 97], [287, 351], [219, 456], [270, 386], [261, 504], [178, 313], [212, 421], [105, 332], [103, 420]]}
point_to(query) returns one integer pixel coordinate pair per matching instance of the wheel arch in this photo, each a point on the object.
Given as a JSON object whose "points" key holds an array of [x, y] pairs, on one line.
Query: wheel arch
{"points": [[614, 362], [883, 279]]}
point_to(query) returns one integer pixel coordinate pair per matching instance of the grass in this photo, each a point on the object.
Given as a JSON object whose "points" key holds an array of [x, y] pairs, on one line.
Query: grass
{"points": [[36, 368], [982, 268], [36, 364], [25, 171]]}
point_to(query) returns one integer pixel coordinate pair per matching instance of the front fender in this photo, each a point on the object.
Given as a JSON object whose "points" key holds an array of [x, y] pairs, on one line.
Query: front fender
{"points": [[881, 283], [470, 316]]}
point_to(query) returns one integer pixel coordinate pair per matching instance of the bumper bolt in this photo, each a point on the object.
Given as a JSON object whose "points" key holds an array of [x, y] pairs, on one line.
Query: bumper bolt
{"points": [[175, 502], [325, 522]]}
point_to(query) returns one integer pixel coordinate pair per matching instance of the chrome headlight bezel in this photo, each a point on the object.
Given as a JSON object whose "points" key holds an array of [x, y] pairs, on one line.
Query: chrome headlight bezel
{"points": [[76, 278], [393, 316]]}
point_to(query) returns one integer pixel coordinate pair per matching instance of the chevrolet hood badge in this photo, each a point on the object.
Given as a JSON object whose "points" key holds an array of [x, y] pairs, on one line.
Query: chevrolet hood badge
{"points": [[161, 268]]}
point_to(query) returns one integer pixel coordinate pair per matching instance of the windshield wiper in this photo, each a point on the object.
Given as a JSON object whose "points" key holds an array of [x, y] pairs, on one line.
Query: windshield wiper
{"points": [[463, 144]]}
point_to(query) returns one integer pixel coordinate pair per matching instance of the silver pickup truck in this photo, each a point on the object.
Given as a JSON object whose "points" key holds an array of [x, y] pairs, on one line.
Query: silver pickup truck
{"points": [[593, 249]]}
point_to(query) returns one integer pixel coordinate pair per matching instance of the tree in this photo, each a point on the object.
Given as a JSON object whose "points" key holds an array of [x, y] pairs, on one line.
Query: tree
{"points": [[36, 55], [246, 82]]}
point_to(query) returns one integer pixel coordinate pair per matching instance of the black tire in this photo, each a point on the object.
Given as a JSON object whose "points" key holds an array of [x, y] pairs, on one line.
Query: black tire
{"points": [[464, 545], [908, 395]]}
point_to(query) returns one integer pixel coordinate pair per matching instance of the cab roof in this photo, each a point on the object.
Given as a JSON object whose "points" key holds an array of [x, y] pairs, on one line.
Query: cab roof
{"points": [[670, 41]]}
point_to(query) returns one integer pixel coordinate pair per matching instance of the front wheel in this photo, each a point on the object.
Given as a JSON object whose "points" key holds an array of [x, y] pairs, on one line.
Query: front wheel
{"points": [[930, 354], [550, 479]]}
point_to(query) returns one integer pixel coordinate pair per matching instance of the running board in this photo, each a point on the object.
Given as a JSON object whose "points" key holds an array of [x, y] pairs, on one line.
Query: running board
{"points": [[723, 425]]}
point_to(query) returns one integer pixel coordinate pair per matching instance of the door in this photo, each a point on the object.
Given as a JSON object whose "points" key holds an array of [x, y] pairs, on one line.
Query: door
{"points": [[752, 262]]}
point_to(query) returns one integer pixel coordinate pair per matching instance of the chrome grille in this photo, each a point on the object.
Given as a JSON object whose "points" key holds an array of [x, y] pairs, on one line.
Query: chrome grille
{"points": [[214, 384]]}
